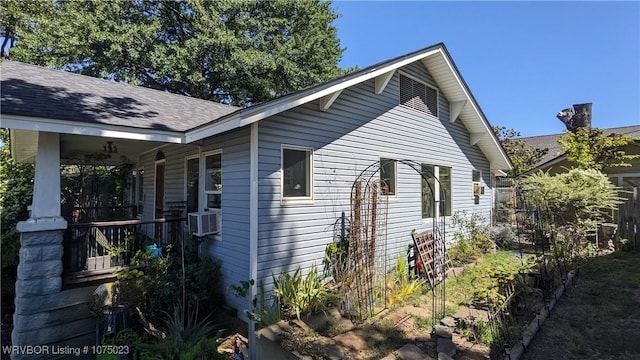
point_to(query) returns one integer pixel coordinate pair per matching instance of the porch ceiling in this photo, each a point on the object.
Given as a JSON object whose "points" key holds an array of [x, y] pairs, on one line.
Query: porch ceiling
{"points": [[75, 148]]}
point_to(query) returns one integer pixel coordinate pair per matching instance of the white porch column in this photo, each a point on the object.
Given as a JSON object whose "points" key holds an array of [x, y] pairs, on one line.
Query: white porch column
{"points": [[41, 314], [46, 187]]}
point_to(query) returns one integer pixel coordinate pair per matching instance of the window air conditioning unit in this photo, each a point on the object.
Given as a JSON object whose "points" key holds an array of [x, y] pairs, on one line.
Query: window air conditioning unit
{"points": [[477, 189], [205, 223]]}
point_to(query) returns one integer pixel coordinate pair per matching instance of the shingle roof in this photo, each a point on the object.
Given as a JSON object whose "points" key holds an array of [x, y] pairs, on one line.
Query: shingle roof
{"points": [[34, 91], [551, 141]]}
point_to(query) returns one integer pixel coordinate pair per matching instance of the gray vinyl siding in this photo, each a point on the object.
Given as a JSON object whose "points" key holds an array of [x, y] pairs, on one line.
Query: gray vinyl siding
{"points": [[358, 129], [233, 249]]}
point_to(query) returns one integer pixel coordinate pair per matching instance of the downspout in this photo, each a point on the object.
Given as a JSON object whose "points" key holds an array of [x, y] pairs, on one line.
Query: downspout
{"points": [[253, 233]]}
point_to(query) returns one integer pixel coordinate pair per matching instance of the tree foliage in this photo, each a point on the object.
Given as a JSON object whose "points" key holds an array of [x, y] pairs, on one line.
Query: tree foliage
{"points": [[578, 198], [239, 52], [16, 18], [592, 149], [522, 157], [16, 188]]}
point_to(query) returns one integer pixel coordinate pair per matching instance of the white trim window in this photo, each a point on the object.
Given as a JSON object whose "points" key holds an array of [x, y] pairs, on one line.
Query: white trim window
{"points": [[389, 176], [296, 173], [418, 95], [203, 185], [212, 180], [137, 191], [203, 181], [433, 190], [192, 183], [477, 187]]}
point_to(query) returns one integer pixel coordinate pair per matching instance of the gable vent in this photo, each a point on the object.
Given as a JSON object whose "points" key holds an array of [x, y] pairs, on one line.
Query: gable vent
{"points": [[419, 96]]}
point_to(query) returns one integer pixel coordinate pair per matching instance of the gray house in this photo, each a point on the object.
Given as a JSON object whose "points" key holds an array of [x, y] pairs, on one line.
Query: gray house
{"points": [[279, 174]]}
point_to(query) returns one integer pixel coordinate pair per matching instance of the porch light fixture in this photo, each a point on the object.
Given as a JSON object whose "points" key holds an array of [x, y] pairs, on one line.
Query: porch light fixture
{"points": [[110, 148], [159, 155]]}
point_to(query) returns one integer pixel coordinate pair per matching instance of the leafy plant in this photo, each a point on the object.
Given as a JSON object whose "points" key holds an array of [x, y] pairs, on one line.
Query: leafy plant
{"points": [[182, 331], [303, 295], [400, 285], [263, 314], [576, 199], [503, 235], [522, 156], [336, 260], [16, 189], [162, 280], [471, 237], [134, 344], [242, 290], [592, 149], [478, 331]]}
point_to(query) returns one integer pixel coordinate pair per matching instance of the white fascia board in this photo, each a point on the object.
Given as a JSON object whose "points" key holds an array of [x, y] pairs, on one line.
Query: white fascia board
{"points": [[89, 129], [277, 106]]}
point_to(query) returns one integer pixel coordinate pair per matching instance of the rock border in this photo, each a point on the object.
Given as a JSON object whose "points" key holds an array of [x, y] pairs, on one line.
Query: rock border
{"points": [[517, 350]]}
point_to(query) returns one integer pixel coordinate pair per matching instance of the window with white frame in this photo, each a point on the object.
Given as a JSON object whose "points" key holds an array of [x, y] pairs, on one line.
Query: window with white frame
{"points": [[418, 95], [192, 178], [476, 176], [213, 180], [297, 173], [388, 176], [477, 189], [203, 185], [433, 191], [138, 191]]}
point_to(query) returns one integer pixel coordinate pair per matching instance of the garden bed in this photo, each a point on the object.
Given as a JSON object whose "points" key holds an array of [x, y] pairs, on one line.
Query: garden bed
{"points": [[408, 324]]}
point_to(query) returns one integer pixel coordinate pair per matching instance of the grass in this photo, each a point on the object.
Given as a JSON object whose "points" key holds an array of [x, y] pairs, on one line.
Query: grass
{"points": [[599, 317]]}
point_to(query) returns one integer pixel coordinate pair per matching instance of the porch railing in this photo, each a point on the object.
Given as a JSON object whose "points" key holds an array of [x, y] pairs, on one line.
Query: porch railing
{"points": [[100, 213], [93, 250]]}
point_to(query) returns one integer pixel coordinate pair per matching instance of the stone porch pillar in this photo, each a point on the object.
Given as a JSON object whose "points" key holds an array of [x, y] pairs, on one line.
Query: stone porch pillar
{"points": [[39, 282]]}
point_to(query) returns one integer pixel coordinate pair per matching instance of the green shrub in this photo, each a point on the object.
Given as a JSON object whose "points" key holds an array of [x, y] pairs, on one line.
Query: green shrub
{"points": [[184, 334], [399, 285], [471, 237], [264, 314], [162, 281], [578, 198], [304, 295], [503, 235]]}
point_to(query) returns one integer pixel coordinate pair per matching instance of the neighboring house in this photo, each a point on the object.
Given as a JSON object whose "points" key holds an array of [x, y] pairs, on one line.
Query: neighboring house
{"points": [[627, 177], [556, 161], [281, 172]]}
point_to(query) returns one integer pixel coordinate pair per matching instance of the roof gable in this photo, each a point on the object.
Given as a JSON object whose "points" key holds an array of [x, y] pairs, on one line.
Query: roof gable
{"points": [[437, 61]]}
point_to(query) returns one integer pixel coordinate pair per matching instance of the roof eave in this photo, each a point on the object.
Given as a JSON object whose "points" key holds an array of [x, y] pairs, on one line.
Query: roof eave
{"points": [[91, 129]]}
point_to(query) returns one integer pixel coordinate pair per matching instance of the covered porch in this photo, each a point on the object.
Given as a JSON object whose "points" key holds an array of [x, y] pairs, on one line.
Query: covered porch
{"points": [[102, 200]]}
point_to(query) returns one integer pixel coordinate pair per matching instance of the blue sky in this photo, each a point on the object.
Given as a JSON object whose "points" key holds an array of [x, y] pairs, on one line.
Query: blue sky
{"points": [[523, 61]]}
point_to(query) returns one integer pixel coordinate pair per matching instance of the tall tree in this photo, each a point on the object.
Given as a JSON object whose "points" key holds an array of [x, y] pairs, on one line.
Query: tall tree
{"points": [[522, 157], [17, 17], [16, 188], [592, 149], [237, 51]]}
